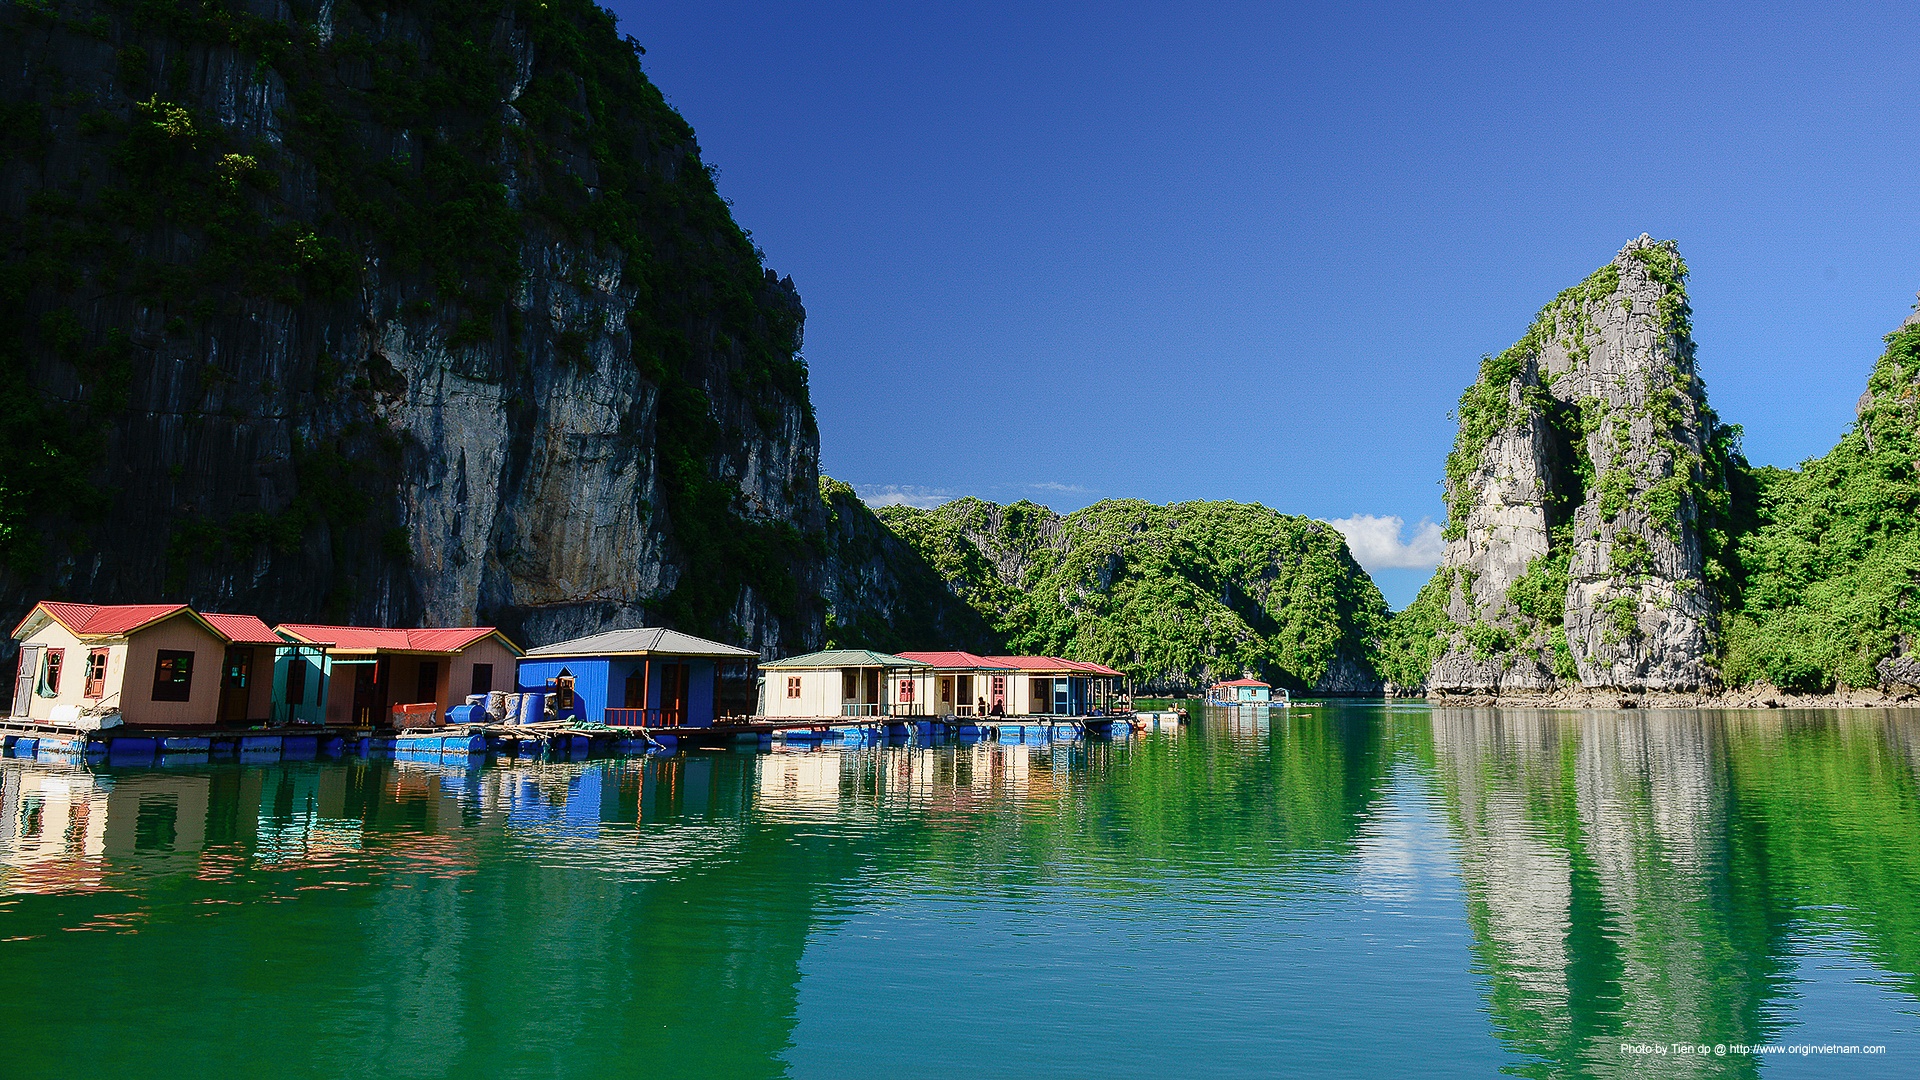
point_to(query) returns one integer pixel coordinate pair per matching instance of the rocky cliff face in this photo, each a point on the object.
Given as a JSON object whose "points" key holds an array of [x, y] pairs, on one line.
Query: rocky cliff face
{"points": [[387, 312], [1588, 494], [882, 594]]}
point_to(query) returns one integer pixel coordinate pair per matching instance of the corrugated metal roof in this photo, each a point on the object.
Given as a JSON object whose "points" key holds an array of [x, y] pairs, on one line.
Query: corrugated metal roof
{"points": [[836, 658], [388, 639], [1244, 682], [955, 659], [243, 629], [1052, 663], [1034, 663], [93, 620], [643, 641]]}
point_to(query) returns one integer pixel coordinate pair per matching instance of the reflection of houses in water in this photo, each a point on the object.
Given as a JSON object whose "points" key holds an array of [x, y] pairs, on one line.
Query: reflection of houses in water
{"points": [[60, 828], [800, 780], [952, 777], [1240, 725]]}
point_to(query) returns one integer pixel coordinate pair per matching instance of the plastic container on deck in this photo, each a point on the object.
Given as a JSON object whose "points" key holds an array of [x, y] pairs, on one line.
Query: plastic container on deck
{"points": [[533, 708]]}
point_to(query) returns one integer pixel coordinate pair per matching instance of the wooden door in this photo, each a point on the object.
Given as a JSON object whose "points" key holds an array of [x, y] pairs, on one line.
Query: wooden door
{"points": [[23, 681], [674, 680], [236, 674], [427, 684], [370, 692]]}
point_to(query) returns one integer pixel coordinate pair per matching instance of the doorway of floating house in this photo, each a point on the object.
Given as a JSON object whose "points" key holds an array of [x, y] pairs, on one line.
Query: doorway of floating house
{"points": [[674, 680], [370, 691], [946, 693], [999, 694], [23, 681], [236, 674], [963, 700], [1039, 695], [426, 686]]}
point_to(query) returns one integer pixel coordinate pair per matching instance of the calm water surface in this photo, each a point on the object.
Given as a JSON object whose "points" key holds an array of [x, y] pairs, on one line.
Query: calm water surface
{"points": [[1346, 891]]}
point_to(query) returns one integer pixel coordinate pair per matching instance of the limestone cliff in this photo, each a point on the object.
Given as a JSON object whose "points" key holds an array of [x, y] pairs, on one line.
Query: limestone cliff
{"points": [[387, 312], [1588, 494]]}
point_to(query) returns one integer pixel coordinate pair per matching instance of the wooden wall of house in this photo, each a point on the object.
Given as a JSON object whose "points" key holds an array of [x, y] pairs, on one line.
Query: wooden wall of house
{"points": [[183, 634]]}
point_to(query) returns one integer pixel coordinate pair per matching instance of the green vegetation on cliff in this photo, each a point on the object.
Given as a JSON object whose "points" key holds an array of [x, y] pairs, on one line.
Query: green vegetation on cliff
{"points": [[882, 593], [1173, 595], [469, 175], [1832, 573]]}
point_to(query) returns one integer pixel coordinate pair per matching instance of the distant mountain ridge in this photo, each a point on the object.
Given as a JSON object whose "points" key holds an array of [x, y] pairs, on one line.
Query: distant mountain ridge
{"points": [[1176, 596]]}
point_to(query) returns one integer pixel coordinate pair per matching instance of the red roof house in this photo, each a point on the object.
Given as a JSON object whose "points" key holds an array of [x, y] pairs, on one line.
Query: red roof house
{"points": [[376, 670], [1050, 685], [153, 664]]}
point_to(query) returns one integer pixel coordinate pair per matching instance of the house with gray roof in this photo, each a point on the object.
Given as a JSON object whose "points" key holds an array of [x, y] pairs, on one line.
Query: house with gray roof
{"points": [[640, 677], [845, 683]]}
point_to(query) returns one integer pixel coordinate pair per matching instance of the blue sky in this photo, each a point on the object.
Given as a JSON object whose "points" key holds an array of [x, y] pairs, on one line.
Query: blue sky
{"points": [[1254, 252]]}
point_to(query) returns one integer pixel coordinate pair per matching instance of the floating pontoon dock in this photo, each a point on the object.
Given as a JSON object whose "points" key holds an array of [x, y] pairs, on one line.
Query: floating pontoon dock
{"points": [[560, 739]]}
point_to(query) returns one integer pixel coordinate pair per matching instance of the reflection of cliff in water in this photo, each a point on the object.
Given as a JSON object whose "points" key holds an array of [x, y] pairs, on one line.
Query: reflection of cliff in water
{"points": [[1638, 876]]}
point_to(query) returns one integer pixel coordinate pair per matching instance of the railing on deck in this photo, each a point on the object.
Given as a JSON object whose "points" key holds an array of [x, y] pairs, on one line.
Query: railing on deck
{"points": [[855, 708], [645, 718]]}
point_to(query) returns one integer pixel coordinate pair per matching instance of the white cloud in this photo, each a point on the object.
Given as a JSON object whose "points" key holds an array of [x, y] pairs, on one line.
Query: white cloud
{"points": [[1376, 544], [924, 498], [1057, 486]]}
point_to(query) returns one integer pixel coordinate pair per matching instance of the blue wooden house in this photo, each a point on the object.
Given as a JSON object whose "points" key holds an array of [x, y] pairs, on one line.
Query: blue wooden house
{"points": [[644, 677]]}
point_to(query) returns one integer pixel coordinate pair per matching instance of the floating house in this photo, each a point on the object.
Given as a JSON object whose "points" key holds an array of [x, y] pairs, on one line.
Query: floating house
{"points": [[1240, 692], [963, 684], [153, 664], [1050, 686], [385, 678], [845, 683], [643, 677]]}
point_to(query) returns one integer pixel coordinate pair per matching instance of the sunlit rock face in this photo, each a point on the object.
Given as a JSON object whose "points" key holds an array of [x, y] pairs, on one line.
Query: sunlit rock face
{"points": [[390, 313], [1586, 461]]}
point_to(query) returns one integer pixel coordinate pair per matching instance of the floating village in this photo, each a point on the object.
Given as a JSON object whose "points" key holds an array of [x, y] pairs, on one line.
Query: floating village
{"points": [[140, 683]]}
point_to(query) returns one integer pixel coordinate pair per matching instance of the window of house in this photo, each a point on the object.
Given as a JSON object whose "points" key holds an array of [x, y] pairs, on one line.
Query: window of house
{"points": [[96, 673], [482, 679], [173, 676], [793, 686], [56, 659]]}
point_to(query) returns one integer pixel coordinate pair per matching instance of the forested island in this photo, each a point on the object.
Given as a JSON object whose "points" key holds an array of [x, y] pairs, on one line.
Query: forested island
{"points": [[416, 311]]}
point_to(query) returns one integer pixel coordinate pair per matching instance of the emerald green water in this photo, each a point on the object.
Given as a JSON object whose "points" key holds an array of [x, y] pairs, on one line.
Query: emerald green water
{"points": [[1345, 891]]}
